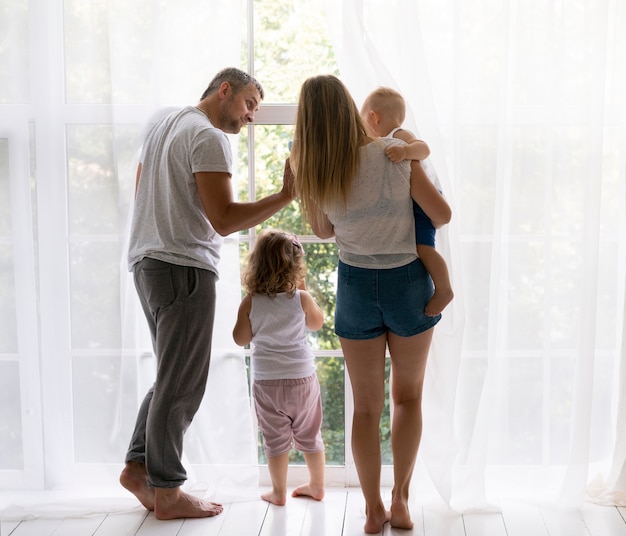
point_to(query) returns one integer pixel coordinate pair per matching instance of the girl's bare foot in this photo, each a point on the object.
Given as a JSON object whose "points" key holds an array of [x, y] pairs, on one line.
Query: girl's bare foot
{"points": [[279, 499], [173, 503], [307, 490], [134, 478], [438, 302]]}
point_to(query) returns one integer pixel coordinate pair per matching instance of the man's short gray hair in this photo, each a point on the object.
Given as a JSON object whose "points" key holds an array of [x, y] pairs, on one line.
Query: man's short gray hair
{"points": [[237, 79]]}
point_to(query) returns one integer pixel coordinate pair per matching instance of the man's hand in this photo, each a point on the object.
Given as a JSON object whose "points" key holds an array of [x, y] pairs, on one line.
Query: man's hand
{"points": [[289, 184]]}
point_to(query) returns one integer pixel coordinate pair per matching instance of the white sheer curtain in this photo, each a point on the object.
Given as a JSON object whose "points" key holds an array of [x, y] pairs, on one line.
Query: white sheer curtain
{"points": [[522, 105], [85, 79]]}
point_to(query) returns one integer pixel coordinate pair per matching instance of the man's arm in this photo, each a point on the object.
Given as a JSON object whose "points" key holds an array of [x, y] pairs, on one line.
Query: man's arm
{"points": [[228, 216]]}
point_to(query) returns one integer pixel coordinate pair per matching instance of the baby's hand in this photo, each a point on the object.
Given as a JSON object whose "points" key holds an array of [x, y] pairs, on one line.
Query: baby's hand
{"points": [[396, 153]]}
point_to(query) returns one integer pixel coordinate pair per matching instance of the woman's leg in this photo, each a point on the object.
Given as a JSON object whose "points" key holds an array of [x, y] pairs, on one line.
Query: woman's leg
{"points": [[408, 366], [365, 360]]}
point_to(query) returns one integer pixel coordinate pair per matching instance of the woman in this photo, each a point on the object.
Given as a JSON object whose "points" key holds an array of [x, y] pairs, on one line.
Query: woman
{"points": [[349, 189]]}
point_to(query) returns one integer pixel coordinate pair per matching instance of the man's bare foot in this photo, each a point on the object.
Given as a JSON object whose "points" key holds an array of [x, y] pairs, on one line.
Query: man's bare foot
{"points": [[400, 515], [173, 503], [279, 499], [134, 478], [307, 490], [375, 519], [438, 302]]}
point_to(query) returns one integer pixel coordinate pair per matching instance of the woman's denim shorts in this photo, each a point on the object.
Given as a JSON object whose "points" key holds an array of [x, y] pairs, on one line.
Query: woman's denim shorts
{"points": [[371, 302]]}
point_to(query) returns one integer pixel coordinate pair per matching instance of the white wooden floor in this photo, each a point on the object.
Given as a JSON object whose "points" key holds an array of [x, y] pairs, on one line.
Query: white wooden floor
{"points": [[339, 514]]}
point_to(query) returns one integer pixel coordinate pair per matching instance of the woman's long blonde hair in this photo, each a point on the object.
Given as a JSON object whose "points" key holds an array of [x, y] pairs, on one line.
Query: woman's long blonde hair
{"points": [[325, 153], [276, 264]]}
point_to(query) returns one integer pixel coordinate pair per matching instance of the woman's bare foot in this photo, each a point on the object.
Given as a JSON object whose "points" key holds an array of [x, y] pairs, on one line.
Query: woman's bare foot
{"points": [[308, 490], [375, 519], [438, 302], [400, 515], [279, 499], [173, 503], [134, 478]]}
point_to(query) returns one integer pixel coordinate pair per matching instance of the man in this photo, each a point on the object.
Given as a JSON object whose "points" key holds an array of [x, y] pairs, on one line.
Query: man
{"points": [[183, 207]]}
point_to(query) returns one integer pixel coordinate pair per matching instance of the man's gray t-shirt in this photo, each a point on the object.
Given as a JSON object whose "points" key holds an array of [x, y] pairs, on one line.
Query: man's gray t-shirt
{"points": [[169, 222]]}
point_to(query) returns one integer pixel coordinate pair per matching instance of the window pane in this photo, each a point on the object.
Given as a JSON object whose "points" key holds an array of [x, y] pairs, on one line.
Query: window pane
{"points": [[8, 320], [10, 417], [87, 65], [14, 53], [93, 196], [291, 43], [95, 386], [5, 190], [95, 296]]}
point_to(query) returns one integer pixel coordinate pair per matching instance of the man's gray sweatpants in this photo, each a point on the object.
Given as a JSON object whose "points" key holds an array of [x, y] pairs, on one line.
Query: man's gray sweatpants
{"points": [[179, 304]]}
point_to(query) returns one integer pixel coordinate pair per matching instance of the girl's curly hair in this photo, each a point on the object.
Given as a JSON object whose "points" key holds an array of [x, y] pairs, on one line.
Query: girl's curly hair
{"points": [[276, 264]]}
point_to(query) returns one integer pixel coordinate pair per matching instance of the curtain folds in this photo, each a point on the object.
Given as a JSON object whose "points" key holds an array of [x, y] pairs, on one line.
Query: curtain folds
{"points": [[519, 102]]}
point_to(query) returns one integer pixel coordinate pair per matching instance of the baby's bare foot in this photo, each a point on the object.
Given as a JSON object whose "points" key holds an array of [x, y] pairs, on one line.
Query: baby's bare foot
{"points": [[279, 499]]}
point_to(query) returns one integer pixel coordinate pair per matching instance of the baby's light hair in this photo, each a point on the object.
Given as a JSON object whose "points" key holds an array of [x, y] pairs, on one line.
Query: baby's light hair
{"points": [[387, 102], [276, 264]]}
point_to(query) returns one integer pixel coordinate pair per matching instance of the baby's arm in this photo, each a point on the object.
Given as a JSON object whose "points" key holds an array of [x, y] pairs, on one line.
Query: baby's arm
{"points": [[413, 150], [314, 315], [242, 332]]}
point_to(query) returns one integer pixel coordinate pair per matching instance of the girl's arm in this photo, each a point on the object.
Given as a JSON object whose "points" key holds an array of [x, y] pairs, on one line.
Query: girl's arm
{"points": [[312, 312], [242, 332], [426, 195]]}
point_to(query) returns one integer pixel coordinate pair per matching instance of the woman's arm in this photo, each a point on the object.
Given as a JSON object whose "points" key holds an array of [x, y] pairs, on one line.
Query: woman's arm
{"points": [[321, 225], [428, 197]]}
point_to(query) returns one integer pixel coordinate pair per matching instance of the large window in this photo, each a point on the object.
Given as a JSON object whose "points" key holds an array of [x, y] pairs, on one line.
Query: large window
{"points": [[68, 150], [302, 46]]}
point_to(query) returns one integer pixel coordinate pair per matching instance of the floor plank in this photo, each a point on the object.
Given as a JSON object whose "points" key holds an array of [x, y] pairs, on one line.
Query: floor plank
{"points": [[326, 517], [438, 523], [288, 519], [521, 519], [603, 520], [7, 527], [122, 524], [491, 524], [564, 522], [242, 516], [355, 514], [73, 526], [157, 527], [37, 527], [208, 526], [341, 513]]}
